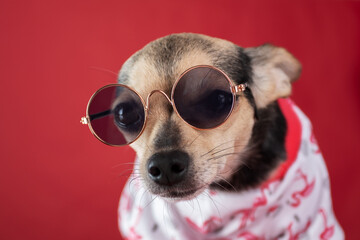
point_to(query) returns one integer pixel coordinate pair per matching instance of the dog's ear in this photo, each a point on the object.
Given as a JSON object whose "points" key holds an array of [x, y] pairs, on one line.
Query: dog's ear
{"points": [[274, 69]]}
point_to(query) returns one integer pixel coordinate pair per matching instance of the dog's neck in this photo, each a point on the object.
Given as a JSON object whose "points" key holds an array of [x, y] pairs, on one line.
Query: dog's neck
{"points": [[265, 151]]}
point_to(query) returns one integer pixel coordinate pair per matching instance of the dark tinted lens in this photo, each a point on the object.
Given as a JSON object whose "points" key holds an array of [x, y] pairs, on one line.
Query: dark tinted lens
{"points": [[203, 97], [116, 115]]}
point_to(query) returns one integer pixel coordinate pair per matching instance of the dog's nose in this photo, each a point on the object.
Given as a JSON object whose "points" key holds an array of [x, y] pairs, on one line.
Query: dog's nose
{"points": [[168, 168]]}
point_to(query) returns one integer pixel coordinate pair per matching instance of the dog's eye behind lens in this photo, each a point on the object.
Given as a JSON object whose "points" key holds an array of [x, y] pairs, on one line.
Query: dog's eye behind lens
{"points": [[127, 115], [207, 110], [217, 102]]}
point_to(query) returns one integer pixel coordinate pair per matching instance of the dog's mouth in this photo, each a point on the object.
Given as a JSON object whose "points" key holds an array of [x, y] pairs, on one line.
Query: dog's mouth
{"points": [[181, 195]]}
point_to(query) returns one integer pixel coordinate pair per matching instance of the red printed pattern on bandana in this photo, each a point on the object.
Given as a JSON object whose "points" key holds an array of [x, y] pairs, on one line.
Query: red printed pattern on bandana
{"points": [[305, 192], [207, 226], [133, 235], [248, 214], [295, 236], [328, 231], [249, 236]]}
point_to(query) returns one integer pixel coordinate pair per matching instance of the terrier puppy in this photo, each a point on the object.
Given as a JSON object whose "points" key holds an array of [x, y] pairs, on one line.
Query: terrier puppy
{"points": [[256, 173]]}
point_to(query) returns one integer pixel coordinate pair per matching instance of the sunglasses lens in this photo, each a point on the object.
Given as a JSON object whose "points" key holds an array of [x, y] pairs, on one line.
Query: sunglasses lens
{"points": [[116, 115], [203, 97]]}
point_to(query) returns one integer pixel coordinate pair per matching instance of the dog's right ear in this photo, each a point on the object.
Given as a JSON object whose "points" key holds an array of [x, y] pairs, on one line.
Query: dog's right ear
{"points": [[274, 69]]}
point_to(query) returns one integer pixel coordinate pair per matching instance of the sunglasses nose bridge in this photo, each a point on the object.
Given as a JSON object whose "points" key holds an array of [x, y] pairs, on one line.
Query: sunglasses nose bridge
{"points": [[156, 91]]}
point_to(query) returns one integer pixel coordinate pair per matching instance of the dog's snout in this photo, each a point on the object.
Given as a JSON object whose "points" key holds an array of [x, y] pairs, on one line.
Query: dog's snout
{"points": [[168, 168]]}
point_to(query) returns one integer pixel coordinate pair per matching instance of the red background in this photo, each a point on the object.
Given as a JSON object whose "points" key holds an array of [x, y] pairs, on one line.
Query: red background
{"points": [[58, 182]]}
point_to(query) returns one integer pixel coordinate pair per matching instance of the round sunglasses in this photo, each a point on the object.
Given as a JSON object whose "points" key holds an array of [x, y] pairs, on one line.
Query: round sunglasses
{"points": [[203, 97]]}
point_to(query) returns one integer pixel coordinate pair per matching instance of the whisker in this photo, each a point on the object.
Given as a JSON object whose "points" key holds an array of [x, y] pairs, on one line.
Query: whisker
{"points": [[223, 179], [212, 200], [224, 149], [193, 141], [146, 144], [152, 199], [141, 189], [103, 70], [192, 206], [218, 184], [124, 172], [202, 218], [144, 194], [219, 146], [240, 167], [128, 175], [223, 155], [133, 179]]}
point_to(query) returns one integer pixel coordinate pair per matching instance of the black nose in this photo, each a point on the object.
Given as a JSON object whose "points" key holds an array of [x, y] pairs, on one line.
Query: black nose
{"points": [[168, 168]]}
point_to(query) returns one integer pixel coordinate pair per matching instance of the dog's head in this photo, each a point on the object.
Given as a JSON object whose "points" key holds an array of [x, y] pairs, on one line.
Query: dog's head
{"points": [[177, 161]]}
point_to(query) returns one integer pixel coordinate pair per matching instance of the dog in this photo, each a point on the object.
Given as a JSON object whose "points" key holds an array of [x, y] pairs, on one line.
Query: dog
{"points": [[259, 174]]}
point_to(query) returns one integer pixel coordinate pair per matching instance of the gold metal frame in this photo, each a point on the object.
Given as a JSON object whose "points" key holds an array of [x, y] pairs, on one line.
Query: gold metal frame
{"points": [[86, 119], [235, 89]]}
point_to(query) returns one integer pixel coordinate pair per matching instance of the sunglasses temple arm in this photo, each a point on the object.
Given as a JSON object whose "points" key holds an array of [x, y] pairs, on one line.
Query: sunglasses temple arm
{"points": [[85, 120], [239, 88], [100, 114]]}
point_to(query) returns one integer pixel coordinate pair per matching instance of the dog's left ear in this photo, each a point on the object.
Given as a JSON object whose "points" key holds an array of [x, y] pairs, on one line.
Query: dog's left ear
{"points": [[274, 69]]}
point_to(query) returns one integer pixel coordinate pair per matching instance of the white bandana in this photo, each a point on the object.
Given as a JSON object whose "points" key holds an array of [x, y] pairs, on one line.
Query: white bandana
{"points": [[294, 204]]}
